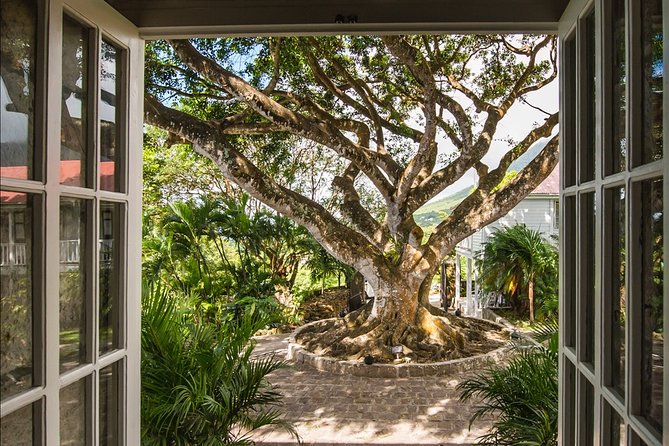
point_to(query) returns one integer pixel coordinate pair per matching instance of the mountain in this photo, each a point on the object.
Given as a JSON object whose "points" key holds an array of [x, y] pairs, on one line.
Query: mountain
{"points": [[434, 212], [528, 156]]}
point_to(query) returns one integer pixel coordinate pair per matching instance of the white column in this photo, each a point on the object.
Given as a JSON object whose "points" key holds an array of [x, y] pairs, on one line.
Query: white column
{"points": [[470, 297], [456, 304]]}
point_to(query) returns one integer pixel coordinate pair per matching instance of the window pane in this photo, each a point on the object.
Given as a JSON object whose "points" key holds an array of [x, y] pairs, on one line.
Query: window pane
{"points": [[73, 402], [570, 255], [110, 115], [636, 440], [18, 51], [110, 224], [615, 275], [588, 82], [569, 114], [16, 294], [17, 428], [650, 299], [73, 282], [617, 431], [569, 433], [74, 114], [587, 405], [618, 149], [652, 77], [109, 405], [587, 279]]}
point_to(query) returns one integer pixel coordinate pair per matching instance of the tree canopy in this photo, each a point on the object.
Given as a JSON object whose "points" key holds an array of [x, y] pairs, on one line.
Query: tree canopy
{"points": [[388, 121]]}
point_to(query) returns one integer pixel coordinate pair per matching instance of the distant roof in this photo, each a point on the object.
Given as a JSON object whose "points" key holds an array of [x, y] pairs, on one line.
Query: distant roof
{"points": [[549, 186], [70, 172]]}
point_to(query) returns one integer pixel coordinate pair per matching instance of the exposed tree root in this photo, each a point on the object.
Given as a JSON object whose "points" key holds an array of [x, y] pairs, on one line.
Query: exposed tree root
{"points": [[433, 336]]}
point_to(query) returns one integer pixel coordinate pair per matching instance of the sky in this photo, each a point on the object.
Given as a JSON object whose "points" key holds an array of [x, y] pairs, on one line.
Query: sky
{"points": [[520, 119], [516, 124]]}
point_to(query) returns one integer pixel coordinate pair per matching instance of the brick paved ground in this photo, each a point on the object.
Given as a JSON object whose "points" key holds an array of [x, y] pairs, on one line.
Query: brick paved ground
{"points": [[332, 409]]}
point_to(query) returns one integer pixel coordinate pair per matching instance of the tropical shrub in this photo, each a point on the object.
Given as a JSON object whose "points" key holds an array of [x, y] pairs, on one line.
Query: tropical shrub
{"points": [[227, 255], [521, 395], [519, 261], [200, 383]]}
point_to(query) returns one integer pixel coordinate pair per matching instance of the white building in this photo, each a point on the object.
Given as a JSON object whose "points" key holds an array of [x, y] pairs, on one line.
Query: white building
{"points": [[540, 211]]}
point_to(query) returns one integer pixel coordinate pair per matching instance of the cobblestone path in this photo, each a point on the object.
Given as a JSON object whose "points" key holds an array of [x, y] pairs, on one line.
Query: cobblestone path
{"points": [[330, 409]]}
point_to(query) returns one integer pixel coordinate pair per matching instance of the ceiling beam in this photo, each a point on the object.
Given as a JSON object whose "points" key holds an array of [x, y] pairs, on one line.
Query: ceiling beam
{"points": [[206, 18]]}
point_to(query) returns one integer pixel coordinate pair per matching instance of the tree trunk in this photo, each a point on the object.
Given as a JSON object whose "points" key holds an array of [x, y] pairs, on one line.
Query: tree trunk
{"points": [[356, 298], [530, 295], [397, 317]]}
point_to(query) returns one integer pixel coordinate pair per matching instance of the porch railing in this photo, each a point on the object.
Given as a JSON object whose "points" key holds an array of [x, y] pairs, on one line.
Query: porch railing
{"points": [[12, 254]]}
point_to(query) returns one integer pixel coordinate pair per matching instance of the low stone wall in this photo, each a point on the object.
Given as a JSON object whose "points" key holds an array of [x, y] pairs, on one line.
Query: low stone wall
{"points": [[489, 315], [306, 359]]}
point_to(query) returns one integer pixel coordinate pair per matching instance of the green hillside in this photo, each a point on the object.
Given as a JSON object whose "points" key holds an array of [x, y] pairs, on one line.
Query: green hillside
{"points": [[433, 213]]}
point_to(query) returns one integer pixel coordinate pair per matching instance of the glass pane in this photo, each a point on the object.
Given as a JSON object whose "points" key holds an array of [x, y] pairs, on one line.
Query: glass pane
{"points": [[618, 150], [569, 67], [73, 283], [652, 77], [615, 274], [109, 405], [587, 269], [588, 82], [74, 114], [570, 271], [570, 403], [110, 115], [73, 409], [636, 440], [16, 293], [18, 51], [652, 272], [17, 428], [617, 429], [588, 417], [110, 224]]}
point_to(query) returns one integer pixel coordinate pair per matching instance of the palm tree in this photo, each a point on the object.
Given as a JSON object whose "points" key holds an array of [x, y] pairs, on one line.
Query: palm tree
{"points": [[190, 224], [323, 265], [522, 394], [514, 258], [200, 383]]}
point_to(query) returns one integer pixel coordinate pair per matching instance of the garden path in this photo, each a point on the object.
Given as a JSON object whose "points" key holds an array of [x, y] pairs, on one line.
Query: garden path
{"points": [[329, 409]]}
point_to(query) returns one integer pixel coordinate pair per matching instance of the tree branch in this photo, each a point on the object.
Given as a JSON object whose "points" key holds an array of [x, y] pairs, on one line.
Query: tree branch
{"points": [[490, 206], [319, 132], [341, 241]]}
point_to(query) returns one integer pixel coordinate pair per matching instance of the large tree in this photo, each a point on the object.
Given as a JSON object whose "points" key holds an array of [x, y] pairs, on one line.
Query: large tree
{"points": [[408, 115]]}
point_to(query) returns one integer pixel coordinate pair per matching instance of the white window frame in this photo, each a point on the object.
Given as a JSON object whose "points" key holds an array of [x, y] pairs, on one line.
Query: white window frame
{"points": [[573, 372], [108, 23]]}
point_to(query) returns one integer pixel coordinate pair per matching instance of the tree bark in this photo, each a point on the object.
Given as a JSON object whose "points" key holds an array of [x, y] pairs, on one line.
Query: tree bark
{"points": [[530, 295]]}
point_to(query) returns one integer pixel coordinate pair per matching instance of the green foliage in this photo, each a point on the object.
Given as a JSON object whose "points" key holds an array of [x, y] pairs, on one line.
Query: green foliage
{"points": [[230, 258], [174, 172], [515, 257], [522, 395], [323, 265], [200, 384]]}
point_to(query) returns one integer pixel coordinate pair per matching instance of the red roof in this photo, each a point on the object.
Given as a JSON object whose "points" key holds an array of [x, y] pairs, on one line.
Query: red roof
{"points": [[551, 185], [70, 172]]}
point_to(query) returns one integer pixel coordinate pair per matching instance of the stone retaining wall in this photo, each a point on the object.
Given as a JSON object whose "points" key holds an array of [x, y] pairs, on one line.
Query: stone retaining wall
{"points": [[304, 358]]}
